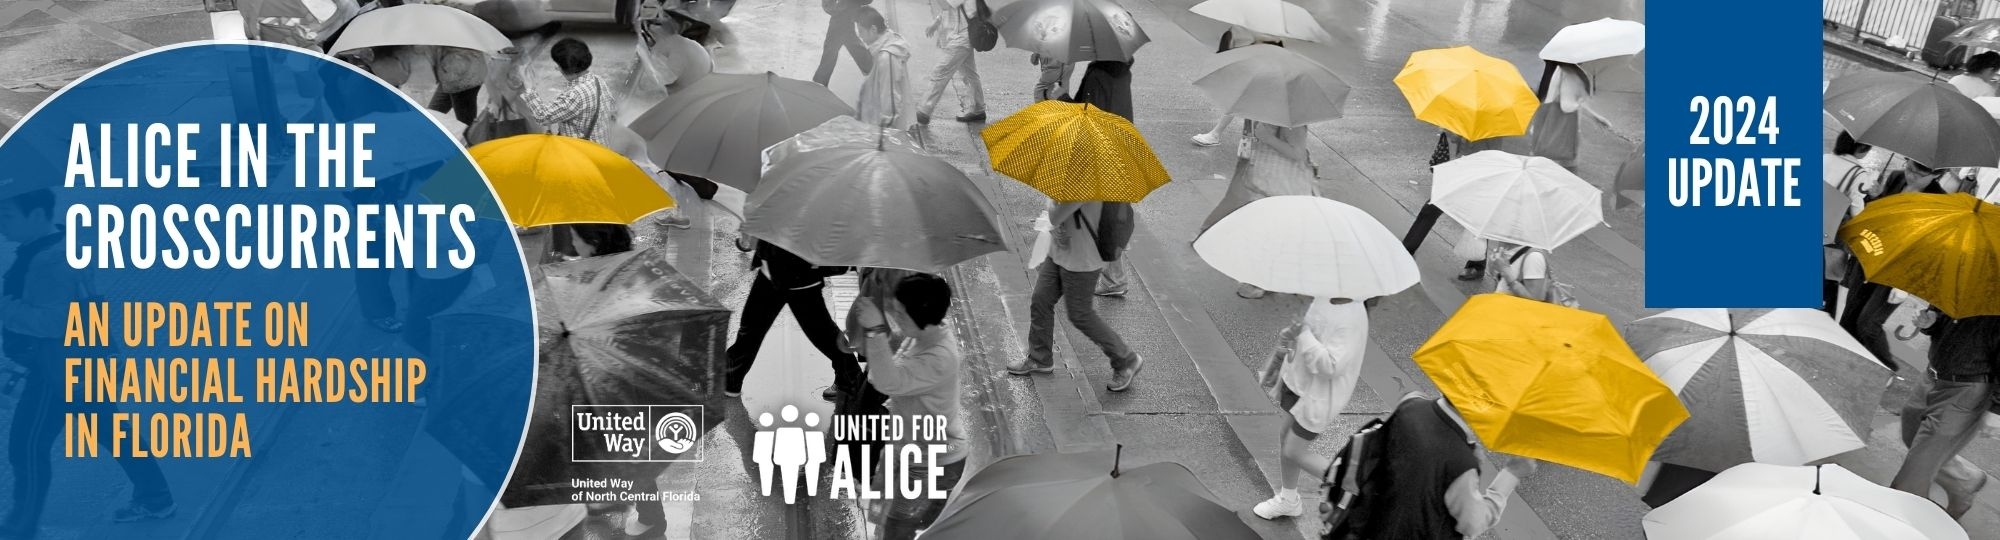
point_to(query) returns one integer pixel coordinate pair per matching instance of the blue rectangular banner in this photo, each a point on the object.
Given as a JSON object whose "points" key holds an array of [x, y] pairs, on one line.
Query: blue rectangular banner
{"points": [[1733, 209]]}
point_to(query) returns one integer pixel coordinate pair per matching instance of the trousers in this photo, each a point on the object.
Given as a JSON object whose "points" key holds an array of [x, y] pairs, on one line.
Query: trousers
{"points": [[809, 309], [1078, 290]]}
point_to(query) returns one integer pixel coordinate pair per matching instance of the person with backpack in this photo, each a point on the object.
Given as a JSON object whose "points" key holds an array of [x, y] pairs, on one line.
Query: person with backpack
{"points": [[1107, 85], [951, 24], [1319, 363], [1271, 160], [1076, 255], [785, 280], [1421, 478]]}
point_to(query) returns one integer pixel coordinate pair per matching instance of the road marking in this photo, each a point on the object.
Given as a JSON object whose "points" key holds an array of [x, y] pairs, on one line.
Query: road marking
{"points": [[99, 29]]}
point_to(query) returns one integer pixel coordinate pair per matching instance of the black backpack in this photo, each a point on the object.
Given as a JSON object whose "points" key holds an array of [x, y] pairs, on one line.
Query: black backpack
{"points": [[979, 28], [1352, 477], [1113, 230]]}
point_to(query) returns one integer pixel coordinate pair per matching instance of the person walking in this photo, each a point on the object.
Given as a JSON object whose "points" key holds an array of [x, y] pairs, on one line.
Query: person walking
{"points": [[1554, 131], [1321, 362], [1977, 81], [1271, 161], [1941, 419], [1071, 273], [459, 73], [34, 293], [885, 92], [1428, 483], [922, 381], [1230, 39], [842, 19], [1868, 303], [1054, 82], [581, 108], [1524, 271], [1107, 85], [784, 280], [948, 25], [1844, 165]]}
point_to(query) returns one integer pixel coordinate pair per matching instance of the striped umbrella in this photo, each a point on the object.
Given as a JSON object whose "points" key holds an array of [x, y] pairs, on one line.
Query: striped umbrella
{"points": [[1780, 386]]}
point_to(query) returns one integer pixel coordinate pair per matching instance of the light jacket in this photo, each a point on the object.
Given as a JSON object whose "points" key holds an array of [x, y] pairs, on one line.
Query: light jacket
{"points": [[885, 92]]}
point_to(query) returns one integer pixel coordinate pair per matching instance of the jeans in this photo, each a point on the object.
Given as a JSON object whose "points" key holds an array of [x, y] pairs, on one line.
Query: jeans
{"points": [[31, 443], [1078, 291], [840, 34], [906, 516], [1937, 424], [957, 62], [809, 309], [463, 104]]}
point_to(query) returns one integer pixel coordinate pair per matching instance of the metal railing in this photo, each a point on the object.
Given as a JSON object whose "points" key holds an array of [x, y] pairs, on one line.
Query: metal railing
{"points": [[1901, 24]]}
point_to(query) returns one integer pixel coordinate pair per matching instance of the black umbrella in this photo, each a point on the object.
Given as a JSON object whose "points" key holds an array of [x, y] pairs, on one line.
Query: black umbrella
{"points": [[1927, 121], [623, 329]]}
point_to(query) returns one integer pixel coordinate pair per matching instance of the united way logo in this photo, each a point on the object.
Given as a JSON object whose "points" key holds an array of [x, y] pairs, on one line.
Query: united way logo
{"points": [[788, 450], [631, 433]]}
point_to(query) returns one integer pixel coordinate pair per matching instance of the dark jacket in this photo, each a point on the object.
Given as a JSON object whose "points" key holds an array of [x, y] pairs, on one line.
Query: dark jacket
{"points": [[1107, 85], [1964, 347], [788, 271]]}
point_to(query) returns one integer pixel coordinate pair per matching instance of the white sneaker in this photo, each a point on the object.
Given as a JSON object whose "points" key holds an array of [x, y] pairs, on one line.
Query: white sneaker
{"points": [[1285, 504], [1207, 139]]}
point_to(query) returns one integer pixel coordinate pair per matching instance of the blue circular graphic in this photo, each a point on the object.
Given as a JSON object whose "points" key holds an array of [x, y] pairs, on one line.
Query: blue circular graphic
{"points": [[380, 339]]}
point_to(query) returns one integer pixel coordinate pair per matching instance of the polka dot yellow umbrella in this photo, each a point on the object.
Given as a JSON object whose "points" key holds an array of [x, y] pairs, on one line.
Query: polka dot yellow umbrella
{"points": [[551, 179], [1074, 152]]}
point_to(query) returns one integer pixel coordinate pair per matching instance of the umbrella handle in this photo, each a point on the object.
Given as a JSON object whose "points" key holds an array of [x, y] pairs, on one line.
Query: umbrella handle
{"points": [[1900, 336]]}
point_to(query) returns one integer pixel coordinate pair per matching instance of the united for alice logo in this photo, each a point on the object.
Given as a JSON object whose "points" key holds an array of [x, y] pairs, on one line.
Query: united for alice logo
{"points": [[790, 449]]}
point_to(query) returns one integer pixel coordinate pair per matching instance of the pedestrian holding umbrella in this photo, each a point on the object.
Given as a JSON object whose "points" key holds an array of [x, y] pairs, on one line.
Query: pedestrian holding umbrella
{"points": [[420, 24], [1529, 201], [1061, 496], [718, 127], [1270, 17], [1310, 246], [1273, 85], [1468, 94], [1778, 386], [1552, 383], [1944, 249], [1927, 121], [1597, 47], [1071, 30], [1074, 152], [866, 206], [1756, 501], [552, 179]]}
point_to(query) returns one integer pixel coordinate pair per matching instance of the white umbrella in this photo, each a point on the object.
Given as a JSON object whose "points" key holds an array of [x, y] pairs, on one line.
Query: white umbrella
{"points": [[1596, 40], [420, 24], [1756, 501], [1778, 386], [1274, 85], [1523, 200], [1273, 17], [1308, 245]]}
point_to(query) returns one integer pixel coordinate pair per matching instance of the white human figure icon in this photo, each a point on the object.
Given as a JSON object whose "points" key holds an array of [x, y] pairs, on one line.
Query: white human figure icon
{"points": [[760, 450], [789, 451], [815, 453]]}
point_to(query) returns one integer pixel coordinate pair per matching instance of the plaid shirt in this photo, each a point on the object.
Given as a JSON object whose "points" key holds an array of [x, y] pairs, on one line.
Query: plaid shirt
{"points": [[571, 111]]}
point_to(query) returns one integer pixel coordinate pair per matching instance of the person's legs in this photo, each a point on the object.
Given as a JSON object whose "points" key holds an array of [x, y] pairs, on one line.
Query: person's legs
{"points": [[1951, 418], [1082, 310], [907, 517], [1213, 136], [1041, 317], [378, 302], [652, 515], [1829, 291], [809, 309], [1870, 331], [465, 105], [941, 77], [971, 102], [839, 31], [440, 101], [151, 497], [428, 297], [1111, 281], [1857, 297], [1421, 228], [760, 309], [29, 445]]}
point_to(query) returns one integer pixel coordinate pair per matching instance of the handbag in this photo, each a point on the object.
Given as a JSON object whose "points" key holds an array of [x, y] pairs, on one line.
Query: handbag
{"points": [[979, 28], [1835, 263], [499, 122], [1040, 251]]}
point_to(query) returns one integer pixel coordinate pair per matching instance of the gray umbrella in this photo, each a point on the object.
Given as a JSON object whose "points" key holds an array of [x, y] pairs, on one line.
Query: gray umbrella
{"points": [[1927, 121], [1071, 30]]}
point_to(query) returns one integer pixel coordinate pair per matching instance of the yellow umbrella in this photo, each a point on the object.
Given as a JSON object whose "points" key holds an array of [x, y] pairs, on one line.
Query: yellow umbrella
{"points": [[1552, 383], [1467, 92], [1944, 249], [1074, 152], [551, 179]]}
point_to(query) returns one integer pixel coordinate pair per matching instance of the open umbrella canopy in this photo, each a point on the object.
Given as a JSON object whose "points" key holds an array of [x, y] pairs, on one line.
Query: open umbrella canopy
{"points": [[1051, 496], [1307, 245], [478, 386], [1779, 386], [1273, 85], [1756, 501], [1273, 17], [1520, 199], [1071, 30], [1467, 92], [552, 179], [863, 206], [621, 329], [840, 132], [718, 127], [1074, 152], [1539, 380], [1595, 40], [420, 24], [1944, 249], [1928, 121], [1983, 33]]}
